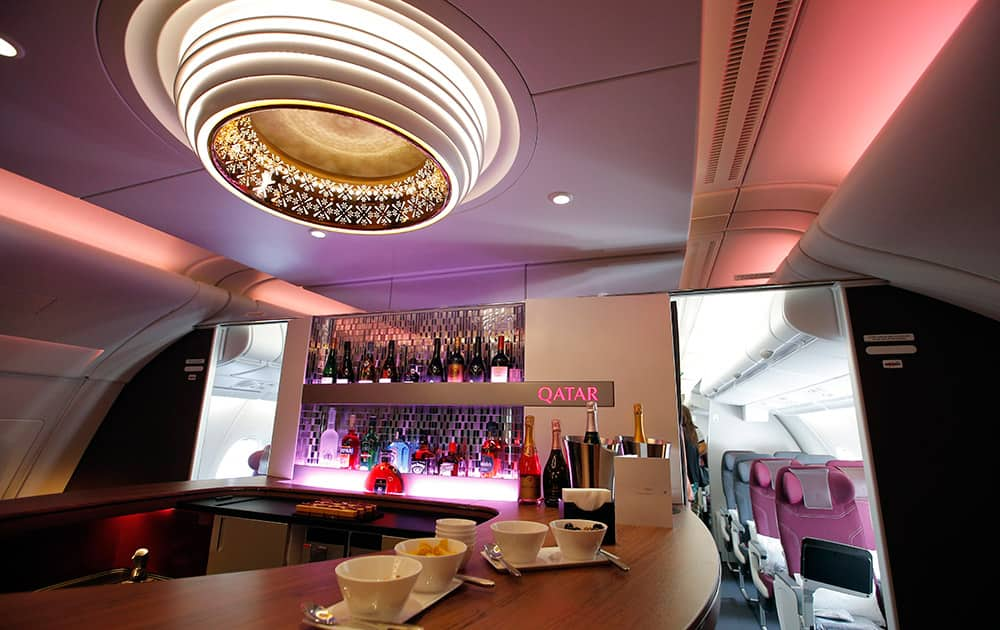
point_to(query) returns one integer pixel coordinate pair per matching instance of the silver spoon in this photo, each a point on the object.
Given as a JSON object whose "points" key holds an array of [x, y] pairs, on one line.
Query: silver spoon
{"points": [[495, 553], [471, 579], [320, 616], [615, 560]]}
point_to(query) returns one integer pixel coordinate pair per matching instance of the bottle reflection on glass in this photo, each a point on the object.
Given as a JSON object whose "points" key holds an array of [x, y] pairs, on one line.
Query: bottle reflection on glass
{"points": [[477, 369], [389, 374], [346, 372], [367, 369], [456, 364]]}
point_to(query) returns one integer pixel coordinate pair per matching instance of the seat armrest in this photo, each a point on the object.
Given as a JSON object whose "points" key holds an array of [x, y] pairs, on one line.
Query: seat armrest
{"points": [[788, 601], [756, 548]]}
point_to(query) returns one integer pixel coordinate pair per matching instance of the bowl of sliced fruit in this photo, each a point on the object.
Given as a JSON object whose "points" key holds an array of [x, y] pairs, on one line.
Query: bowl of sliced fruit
{"points": [[578, 539], [440, 558]]}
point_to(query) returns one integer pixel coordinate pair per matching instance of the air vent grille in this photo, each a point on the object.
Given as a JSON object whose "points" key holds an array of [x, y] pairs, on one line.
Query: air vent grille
{"points": [[770, 59], [762, 275], [734, 59]]}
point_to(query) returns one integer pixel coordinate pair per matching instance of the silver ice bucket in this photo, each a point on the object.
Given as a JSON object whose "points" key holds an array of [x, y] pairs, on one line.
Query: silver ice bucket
{"points": [[590, 465], [651, 448]]}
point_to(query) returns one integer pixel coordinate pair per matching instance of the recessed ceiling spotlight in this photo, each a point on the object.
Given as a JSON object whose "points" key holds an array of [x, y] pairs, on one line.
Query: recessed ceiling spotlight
{"points": [[360, 116], [560, 198], [8, 49], [317, 233]]}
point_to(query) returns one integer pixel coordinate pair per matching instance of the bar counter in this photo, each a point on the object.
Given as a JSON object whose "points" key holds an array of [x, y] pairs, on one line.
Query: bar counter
{"points": [[673, 582]]}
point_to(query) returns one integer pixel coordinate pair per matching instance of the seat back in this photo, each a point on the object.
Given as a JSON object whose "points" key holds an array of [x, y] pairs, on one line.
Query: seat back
{"points": [[855, 471], [809, 458], [815, 502], [729, 476], [763, 472], [787, 454]]}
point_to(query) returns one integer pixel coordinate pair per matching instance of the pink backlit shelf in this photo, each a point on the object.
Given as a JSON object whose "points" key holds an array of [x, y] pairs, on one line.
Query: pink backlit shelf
{"points": [[421, 486], [528, 393]]}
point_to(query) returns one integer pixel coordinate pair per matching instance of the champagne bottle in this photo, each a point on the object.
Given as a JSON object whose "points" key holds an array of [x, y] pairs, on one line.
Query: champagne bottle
{"points": [[500, 364], [529, 471], [346, 372], [330, 367], [591, 436], [389, 374], [435, 369], [477, 369], [456, 364], [639, 435], [556, 474]]}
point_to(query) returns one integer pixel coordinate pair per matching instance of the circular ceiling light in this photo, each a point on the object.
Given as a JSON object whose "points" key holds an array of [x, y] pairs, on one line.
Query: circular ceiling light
{"points": [[360, 116], [317, 233], [560, 198]]}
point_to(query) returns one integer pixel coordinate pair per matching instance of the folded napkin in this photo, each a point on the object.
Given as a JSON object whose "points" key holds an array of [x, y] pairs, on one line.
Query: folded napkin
{"points": [[587, 498]]}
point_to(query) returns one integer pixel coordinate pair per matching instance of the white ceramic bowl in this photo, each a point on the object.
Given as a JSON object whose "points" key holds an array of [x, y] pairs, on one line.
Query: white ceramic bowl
{"points": [[376, 587], [520, 541], [469, 540], [456, 524], [578, 544], [439, 570]]}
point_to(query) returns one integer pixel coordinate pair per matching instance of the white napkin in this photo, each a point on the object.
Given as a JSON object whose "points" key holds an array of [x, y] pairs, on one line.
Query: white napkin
{"points": [[587, 498]]}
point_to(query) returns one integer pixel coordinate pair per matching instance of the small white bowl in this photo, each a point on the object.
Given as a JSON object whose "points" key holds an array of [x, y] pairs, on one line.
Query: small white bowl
{"points": [[377, 587], [578, 544], [520, 541], [438, 571], [460, 524]]}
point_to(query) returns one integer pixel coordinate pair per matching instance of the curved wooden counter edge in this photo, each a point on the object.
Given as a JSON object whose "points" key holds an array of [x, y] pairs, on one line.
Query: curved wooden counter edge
{"points": [[674, 581]]}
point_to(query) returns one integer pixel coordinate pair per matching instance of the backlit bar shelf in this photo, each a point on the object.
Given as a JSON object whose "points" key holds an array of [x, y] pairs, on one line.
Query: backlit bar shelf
{"points": [[529, 393]]}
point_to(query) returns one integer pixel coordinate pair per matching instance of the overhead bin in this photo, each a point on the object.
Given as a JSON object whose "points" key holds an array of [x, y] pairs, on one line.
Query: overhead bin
{"points": [[798, 344]]}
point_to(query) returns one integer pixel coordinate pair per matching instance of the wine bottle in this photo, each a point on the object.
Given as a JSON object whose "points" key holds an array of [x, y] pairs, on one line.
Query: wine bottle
{"points": [[369, 446], [592, 436], [346, 372], [350, 446], [477, 369], [639, 435], [456, 364], [435, 369], [529, 471], [500, 364], [389, 374], [330, 367], [556, 474], [413, 369]]}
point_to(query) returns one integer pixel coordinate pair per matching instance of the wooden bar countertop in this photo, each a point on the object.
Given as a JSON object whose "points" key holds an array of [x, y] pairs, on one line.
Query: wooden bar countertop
{"points": [[673, 582]]}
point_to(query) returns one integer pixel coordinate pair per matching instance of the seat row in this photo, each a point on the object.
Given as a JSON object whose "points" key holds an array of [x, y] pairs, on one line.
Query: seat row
{"points": [[776, 504]]}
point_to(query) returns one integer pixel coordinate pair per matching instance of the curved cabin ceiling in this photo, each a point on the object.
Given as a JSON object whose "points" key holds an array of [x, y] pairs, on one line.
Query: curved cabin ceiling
{"points": [[792, 93]]}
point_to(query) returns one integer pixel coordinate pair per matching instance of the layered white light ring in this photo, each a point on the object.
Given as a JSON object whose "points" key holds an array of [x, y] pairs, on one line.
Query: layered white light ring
{"points": [[382, 59]]}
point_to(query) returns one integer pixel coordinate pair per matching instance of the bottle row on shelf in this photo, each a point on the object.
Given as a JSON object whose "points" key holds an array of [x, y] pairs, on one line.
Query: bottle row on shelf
{"points": [[462, 361]]}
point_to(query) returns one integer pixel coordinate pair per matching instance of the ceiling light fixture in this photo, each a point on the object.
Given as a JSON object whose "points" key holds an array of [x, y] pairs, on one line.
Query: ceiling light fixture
{"points": [[560, 198], [7, 48], [316, 233], [360, 116]]}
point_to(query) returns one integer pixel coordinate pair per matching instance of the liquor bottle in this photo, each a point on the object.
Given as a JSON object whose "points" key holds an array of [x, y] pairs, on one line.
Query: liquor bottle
{"points": [[367, 369], [500, 364], [448, 463], [346, 372], [384, 478], [413, 370], [529, 471], [435, 369], [401, 373], [514, 373], [555, 477], [477, 369], [400, 452], [369, 446], [491, 453], [592, 436], [422, 457], [456, 364], [330, 367], [639, 435], [389, 373], [329, 443], [350, 446]]}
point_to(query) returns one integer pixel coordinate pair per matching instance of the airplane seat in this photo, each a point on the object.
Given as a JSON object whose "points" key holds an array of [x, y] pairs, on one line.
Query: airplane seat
{"points": [[818, 503], [787, 454], [855, 471], [755, 504], [739, 514], [727, 466]]}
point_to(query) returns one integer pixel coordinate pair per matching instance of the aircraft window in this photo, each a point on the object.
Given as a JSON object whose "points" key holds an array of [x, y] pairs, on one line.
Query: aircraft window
{"points": [[234, 462], [838, 429]]}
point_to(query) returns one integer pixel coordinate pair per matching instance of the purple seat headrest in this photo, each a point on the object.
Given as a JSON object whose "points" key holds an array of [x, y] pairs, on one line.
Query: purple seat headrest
{"points": [[816, 487], [765, 471]]}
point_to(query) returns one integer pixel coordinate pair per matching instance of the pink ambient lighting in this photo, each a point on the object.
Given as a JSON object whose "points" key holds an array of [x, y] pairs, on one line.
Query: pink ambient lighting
{"points": [[421, 486]]}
